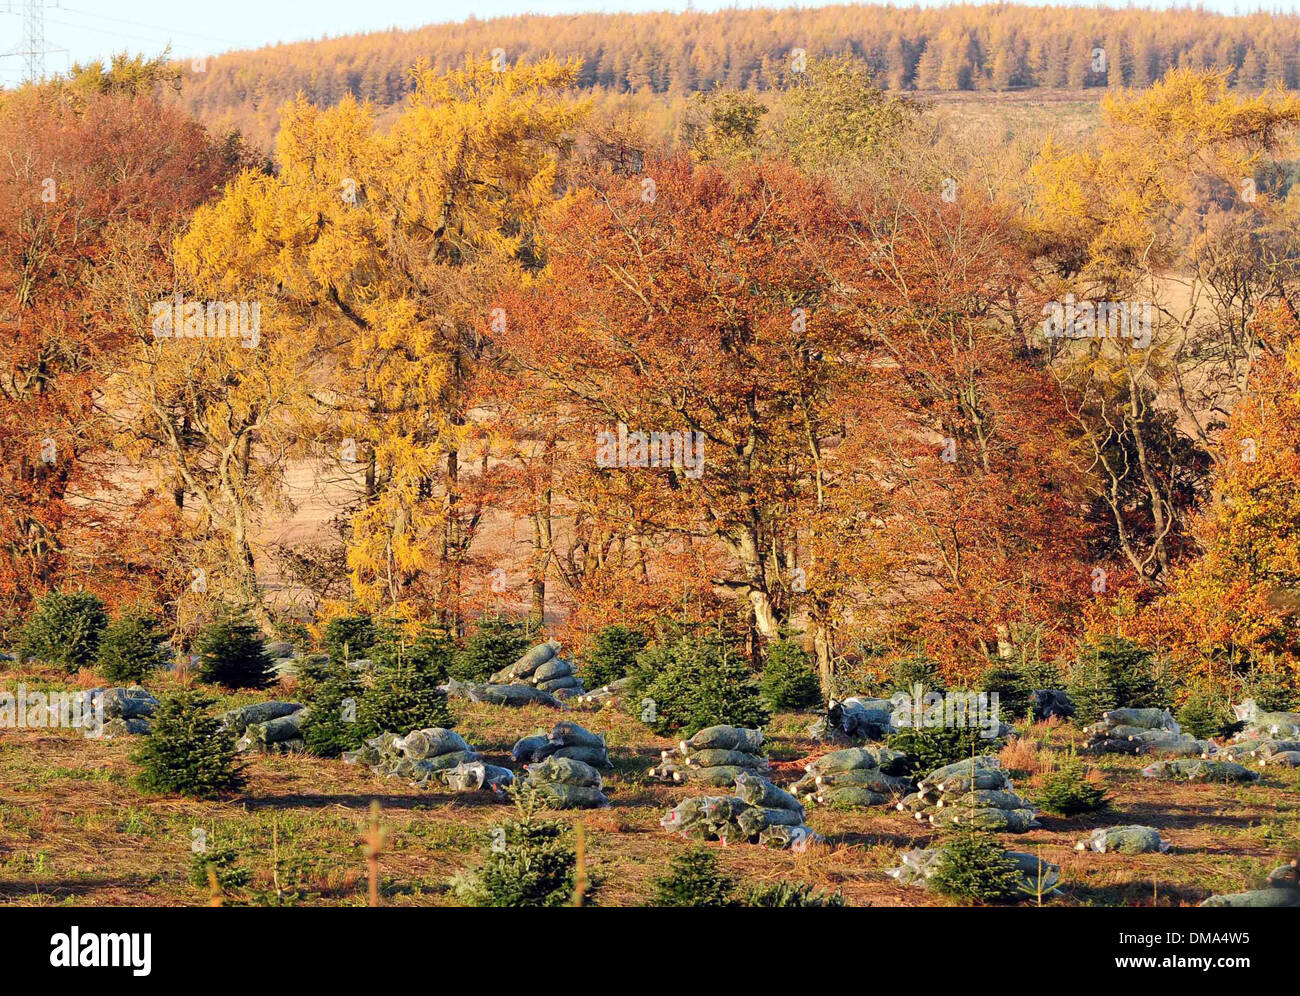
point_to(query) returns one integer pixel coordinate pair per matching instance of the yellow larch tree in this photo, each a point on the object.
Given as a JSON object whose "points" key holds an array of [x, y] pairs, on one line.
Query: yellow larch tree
{"points": [[385, 249]]}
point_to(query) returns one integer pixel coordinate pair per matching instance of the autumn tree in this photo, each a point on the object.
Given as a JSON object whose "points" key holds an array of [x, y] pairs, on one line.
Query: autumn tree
{"points": [[1234, 606], [1162, 211], [731, 349], [385, 250], [951, 515], [94, 168]]}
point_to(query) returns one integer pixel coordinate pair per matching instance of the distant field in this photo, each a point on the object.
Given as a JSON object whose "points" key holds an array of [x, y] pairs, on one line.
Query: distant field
{"points": [[1005, 116]]}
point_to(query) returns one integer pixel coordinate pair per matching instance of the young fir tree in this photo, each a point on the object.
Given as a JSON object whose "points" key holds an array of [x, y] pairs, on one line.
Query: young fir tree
{"points": [[527, 862], [1012, 687], [612, 654], [788, 680], [65, 629], [1111, 673], [1068, 792], [188, 753], [431, 651], [693, 879], [1204, 717], [974, 865], [907, 673], [930, 747], [232, 653], [496, 643], [132, 648], [692, 683], [401, 701], [334, 692], [348, 638], [785, 893], [223, 863]]}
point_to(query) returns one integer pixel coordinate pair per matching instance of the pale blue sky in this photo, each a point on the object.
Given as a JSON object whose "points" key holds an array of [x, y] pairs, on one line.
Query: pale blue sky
{"points": [[89, 29]]}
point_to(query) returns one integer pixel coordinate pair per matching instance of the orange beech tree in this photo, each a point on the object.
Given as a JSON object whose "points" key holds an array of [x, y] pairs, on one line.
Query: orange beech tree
{"points": [[1235, 605], [824, 354], [92, 167], [692, 301], [952, 502]]}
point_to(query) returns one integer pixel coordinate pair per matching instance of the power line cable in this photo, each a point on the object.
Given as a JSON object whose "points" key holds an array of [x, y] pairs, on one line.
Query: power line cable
{"points": [[206, 36]]}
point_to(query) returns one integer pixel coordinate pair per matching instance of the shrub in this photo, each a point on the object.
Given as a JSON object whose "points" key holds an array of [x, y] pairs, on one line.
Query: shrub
{"points": [[1110, 673], [231, 653], [399, 702], [693, 879], [348, 638], [496, 643], [527, 862], [65, 629], [612, 655], [334, 692], [1273, 688], [1013, 689], [789, 681], [908, 672], [785, 893], [1204, 717], [130, 649], [1067, 791], [188, 752], [431, 652], [930, 747], [973, 865], [694, 683], [224, 863]]}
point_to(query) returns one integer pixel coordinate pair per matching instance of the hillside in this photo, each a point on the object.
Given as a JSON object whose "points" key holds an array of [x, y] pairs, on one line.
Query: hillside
{"points": [[953, 48]]}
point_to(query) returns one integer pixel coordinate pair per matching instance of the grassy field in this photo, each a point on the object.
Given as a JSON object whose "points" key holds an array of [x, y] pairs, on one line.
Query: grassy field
{"points": [[74, 830]]}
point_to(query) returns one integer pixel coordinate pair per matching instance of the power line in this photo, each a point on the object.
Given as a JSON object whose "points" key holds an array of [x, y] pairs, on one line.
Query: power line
{"points": [[32, 48], [206, 36]]}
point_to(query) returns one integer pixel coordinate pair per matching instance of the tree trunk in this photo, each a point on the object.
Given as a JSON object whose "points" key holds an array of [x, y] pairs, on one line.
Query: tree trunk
{"points": [[822, 654]]}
